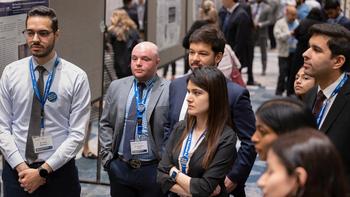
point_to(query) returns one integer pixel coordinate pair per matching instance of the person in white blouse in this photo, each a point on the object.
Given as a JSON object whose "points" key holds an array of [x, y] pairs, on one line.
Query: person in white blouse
{"points": [[44, 109]]}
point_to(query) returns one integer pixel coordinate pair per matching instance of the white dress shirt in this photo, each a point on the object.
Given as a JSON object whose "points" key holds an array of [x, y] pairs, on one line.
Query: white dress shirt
{"points": [[65, 119]]}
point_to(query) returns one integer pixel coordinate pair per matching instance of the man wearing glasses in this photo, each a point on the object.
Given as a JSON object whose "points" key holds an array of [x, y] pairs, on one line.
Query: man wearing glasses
{"points": [[44, 108]]}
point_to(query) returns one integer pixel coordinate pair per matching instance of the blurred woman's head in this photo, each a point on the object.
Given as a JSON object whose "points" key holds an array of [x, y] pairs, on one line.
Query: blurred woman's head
{"points": [[278, 116], [207, 11], [303, 163], [303, 83], [121, 24]]}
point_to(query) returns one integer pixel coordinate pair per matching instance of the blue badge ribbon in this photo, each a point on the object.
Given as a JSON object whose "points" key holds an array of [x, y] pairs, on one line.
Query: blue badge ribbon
{"points": [[141, 105], [42, 99], [325, 104], [185, 155]]}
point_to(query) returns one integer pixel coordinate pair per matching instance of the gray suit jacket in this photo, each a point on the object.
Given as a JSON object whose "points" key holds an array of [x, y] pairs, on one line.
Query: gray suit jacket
{"points": [[113, 115], [264, 19]]}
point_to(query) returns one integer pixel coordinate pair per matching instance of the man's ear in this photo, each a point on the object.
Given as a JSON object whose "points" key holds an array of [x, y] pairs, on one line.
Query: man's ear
{"points": [[218, 58], [57, 34], [301, 176], [339, 61]]}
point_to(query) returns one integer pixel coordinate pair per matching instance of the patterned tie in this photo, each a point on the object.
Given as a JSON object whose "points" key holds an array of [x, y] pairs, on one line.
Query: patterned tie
{"points": [[35, 116], [130, 124], [318, 103]]}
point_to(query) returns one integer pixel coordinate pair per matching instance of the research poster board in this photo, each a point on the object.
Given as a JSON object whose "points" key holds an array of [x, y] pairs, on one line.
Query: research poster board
{"points": [[80, 41], [192, 12], [168, 22], [166, 26], [12, 23]]}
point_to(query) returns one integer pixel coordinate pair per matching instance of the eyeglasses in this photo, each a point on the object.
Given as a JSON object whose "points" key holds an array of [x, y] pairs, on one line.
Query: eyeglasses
{"points": [[41, 33]]}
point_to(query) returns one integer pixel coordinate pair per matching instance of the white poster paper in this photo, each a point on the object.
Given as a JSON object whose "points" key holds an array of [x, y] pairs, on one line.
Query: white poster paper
{"points": [[168, 23]]}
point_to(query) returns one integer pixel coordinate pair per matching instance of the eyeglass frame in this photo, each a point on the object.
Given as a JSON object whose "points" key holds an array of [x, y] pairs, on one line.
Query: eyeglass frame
{"points": [[40, 33]]}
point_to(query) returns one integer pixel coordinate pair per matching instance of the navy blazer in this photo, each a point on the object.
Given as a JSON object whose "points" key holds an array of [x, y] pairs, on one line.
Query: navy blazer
{"points": [[242, 116], [239, 33]]}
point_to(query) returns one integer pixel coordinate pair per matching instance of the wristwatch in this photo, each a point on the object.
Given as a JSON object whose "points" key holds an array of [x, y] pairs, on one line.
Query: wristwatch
{"points": [[173, 175], [43, 172]]}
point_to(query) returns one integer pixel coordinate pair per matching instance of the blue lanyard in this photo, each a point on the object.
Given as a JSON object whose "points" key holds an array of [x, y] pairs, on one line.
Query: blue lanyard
{"points": [[184, 159], [324, 106], [140, 105], [42, 99]]}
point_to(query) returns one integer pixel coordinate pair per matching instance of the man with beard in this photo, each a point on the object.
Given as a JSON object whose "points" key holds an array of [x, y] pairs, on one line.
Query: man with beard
{"points": [[206, 49], [44, 110]]}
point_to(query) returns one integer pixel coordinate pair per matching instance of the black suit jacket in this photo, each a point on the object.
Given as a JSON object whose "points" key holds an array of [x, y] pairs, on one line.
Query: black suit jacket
{"points": [[203, 181], [243, 120], [238, 34], [336, 124]]}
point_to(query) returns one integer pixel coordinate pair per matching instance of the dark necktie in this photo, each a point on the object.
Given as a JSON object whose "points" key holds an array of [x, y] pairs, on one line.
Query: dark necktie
{"points": [[130, 124], [35, 116], [226, 22], [318, 103], [256, 12]]}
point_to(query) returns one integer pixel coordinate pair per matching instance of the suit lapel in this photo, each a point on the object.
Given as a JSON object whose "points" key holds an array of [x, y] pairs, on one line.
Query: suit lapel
{"points": [[154, 97], [180, 89], [310, 98], [125, 87], [198, 154], [337, 107]]}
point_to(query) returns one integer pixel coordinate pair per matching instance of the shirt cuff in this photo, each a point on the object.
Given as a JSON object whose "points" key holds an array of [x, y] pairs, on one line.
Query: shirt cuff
{"points": [[15, 159], [54, 164]]}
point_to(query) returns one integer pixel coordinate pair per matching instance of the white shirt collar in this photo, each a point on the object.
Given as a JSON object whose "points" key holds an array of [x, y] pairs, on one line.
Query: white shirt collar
{"points": [[232, 8], [329, 90], [48, 65]]}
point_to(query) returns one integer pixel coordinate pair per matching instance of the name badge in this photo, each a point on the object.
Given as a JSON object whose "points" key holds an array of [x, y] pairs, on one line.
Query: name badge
{"points": [[138, 147], [42, 143]]}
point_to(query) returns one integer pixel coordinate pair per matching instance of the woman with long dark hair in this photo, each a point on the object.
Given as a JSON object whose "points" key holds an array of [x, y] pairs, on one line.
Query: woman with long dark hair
{"points": [[303, 163], [201, 149]]}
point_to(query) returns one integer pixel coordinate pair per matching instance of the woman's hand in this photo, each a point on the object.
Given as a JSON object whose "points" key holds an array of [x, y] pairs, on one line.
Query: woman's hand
{"points": [[216, 191]]}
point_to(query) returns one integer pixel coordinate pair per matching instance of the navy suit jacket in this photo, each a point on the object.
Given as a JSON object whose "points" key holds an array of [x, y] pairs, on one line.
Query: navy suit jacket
{"points": [[243, 119], [239, 32]]}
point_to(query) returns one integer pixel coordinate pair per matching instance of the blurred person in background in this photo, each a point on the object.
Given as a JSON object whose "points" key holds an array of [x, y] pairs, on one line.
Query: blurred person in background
{"points": [[123, 36], [286, 45], [335, 14]]}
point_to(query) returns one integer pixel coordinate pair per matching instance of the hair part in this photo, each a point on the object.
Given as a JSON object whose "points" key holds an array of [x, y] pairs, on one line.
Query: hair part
{"points": [[284, 115], [212, 81], [312, 150], [339, 40], [44, 11], [210, 35]]}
